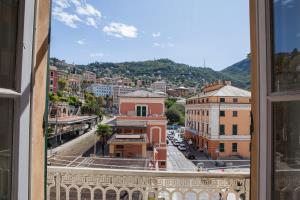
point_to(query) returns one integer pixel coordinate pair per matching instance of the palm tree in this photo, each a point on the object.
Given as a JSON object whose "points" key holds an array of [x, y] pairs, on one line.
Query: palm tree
{"points": [[104, 132]]}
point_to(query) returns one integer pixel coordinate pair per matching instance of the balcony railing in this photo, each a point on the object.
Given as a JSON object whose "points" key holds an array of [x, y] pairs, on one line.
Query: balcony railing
{"points": [[65, 183]]}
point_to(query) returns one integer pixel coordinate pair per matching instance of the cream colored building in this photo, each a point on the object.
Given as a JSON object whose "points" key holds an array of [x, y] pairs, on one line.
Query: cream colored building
{"points": [[218, 120]]}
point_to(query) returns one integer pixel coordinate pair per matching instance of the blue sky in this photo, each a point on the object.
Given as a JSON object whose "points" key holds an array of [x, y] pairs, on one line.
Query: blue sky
{"points": [[186, 31]]}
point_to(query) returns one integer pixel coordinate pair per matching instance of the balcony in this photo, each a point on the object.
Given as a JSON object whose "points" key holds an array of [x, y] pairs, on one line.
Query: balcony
{"points": [[66, 183]]}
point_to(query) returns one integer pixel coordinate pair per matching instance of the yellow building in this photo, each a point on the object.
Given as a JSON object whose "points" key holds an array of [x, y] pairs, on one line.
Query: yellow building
{"points": [[218, 120]]}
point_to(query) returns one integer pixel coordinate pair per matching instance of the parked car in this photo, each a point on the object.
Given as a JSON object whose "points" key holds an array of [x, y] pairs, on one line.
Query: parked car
{"points": [[176, 143], [220, 163], [182, 148], [200, 166], [170, 137], [190, 156]]}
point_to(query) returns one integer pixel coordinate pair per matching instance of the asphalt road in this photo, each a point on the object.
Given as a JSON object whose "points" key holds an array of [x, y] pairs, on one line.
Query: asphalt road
{"points": [[176, 161]]}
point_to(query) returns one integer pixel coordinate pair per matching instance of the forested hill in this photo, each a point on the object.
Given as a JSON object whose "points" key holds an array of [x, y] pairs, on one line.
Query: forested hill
{"points": [[175, 73]]}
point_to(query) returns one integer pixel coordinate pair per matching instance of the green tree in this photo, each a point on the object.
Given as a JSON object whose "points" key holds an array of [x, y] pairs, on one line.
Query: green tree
{"points": [[62, 84], [74, 101], [100, 101], [104, 132], [173, 116], [169, 102]]}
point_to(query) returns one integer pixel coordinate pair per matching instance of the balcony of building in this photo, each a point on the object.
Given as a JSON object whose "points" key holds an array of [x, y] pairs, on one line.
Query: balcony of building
{"points": [[66, 183]]}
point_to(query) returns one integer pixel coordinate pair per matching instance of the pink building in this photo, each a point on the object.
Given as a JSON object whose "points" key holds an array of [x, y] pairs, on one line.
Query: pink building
{"points": [[53, 79], [140, 128]]}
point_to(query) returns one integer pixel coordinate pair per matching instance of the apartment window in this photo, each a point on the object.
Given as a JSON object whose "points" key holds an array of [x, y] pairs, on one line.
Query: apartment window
{"points": [[234, 113], [222, 113], [222, 100], [284, 98], [51, 82], [8, 43], [51, 74], [141, 111], [222, 147], [207, 113], [202, 128], [222, 129], [206, 128], [234, 129], [235, 100], [203, 112], [234, 147]]}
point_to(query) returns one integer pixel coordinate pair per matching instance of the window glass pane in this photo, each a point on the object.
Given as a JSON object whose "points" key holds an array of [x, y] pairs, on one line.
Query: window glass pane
{"points": [[6, 134], [286, 63], [8, 41], [286, 144]]}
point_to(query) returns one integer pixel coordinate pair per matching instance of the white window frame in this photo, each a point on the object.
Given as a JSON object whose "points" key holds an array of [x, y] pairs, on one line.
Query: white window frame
{"points": [[21, 96], [265, 100]]}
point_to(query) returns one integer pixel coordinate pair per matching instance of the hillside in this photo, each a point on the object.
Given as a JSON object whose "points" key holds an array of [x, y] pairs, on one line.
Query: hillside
{"points": [[239, 73], [175, 73]]}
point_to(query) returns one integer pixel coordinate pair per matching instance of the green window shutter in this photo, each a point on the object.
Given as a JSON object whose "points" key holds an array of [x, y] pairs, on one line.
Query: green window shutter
{"points": [[221, 147], [144, 111], [138, 110], [222, 129], [234, 147], [234, 129]]}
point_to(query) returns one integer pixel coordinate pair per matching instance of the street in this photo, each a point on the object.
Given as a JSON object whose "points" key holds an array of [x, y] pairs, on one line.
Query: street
{"points": [[176, 161]]}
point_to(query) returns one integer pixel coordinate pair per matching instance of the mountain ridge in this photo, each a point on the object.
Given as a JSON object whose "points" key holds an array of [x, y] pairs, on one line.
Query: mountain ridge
{"points": [[174, 73]]}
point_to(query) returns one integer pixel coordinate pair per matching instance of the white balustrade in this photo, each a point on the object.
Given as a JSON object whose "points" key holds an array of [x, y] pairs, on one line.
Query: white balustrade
{"points": [[65, 183]]}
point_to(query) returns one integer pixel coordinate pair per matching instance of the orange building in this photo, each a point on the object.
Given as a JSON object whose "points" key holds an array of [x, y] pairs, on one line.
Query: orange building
{"points": [[218, 120], [140, 128]]}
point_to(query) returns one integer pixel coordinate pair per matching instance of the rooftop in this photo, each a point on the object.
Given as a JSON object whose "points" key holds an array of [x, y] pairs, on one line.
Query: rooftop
{"points": [[71, 119], [128, 138], [143, 94], [225, 91]]}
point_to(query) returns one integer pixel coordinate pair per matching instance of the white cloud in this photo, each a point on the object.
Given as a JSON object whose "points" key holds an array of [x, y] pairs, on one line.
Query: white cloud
{"points": [[81, 42], [66, 18], [163, 45], [158, 45], [91, 22], [88, 10], [62, 3], [78, 8], [155, 35], [76, 2], [120, 30], [96, 55]]}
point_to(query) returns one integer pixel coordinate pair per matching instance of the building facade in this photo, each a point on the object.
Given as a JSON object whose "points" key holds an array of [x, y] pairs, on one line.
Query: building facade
{"points": [[218, 120], [53, 79], [101, 90], [120, 90], [73, 85], [140, 128], [89, 76], [159, 86]]}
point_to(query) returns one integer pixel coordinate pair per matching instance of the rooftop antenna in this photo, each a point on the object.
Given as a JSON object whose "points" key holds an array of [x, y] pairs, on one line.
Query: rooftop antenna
{"points": [[204, 63]]}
